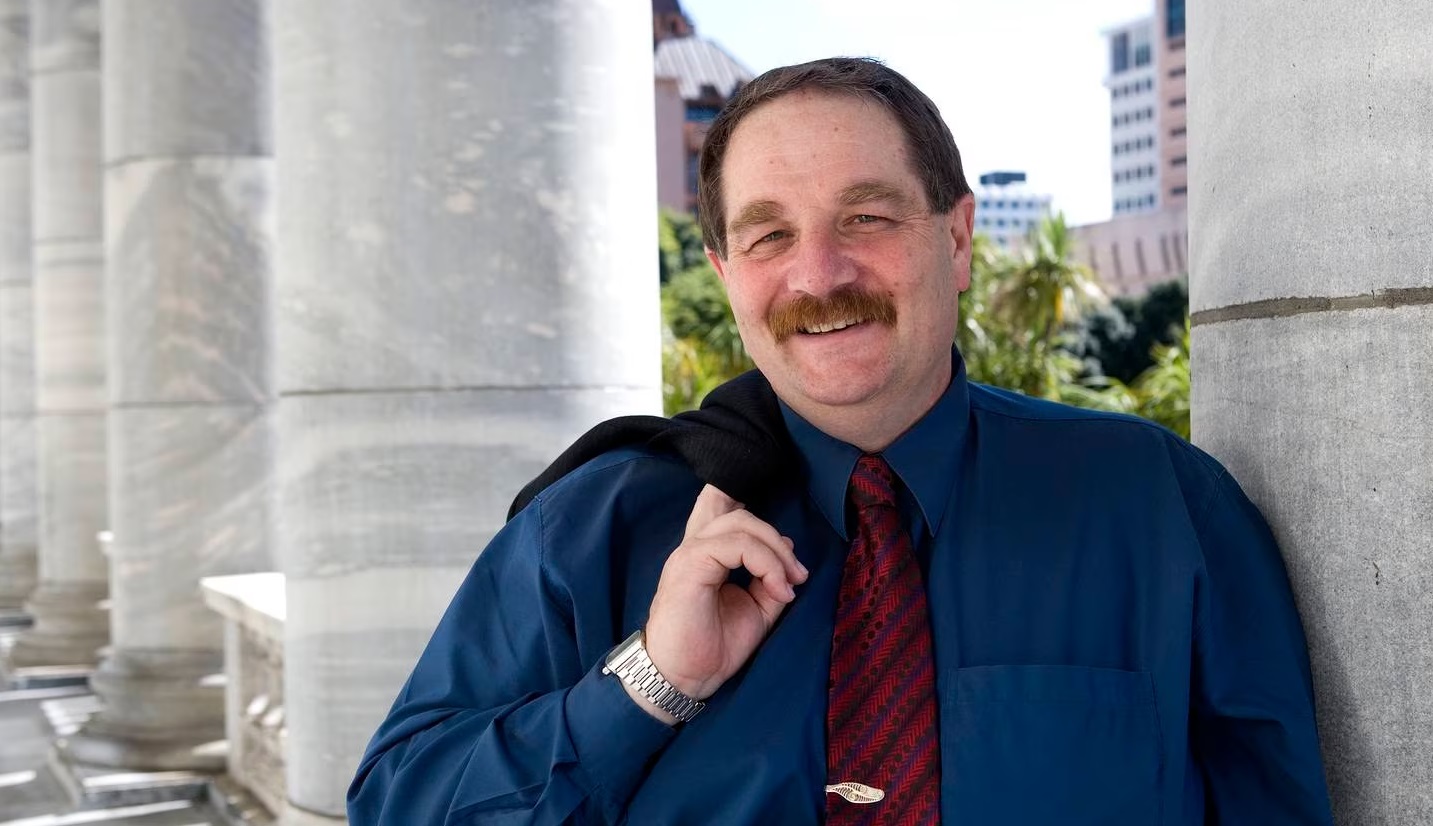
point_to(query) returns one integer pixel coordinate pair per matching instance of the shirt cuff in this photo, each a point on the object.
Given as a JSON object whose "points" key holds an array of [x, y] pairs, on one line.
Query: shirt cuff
{"points": [[614, 738]]}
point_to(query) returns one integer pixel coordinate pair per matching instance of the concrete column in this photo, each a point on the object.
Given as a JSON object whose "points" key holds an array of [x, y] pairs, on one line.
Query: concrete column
{"points": [[464, 282], [1311, 137], [17, 341], [187, 181], [71, 621]]}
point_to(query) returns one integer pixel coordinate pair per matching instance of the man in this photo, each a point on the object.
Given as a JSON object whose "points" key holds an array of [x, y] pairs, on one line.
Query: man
{"points": [[962, 605]]}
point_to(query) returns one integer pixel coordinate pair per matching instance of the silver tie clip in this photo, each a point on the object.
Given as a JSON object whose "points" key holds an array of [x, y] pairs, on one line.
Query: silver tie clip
{"points": [[857, 792]]}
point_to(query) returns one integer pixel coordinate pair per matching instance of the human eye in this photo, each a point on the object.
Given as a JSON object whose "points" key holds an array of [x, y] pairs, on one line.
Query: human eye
{"points": [[774, 235], [867, 219]]}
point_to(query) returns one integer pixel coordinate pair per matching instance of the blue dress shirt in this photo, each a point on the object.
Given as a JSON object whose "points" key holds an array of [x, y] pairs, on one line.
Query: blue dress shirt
{"points": [[1115, 643]]}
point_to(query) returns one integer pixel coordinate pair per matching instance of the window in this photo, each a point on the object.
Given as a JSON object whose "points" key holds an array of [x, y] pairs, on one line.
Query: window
{"points": [[1179, 190], [1141, 54], [1179, 161], [1149, 113], [1174, 19], [999, 222], [1177, 71], [1176, 103], [1178, 132], [999, 204], [1119, 52]]}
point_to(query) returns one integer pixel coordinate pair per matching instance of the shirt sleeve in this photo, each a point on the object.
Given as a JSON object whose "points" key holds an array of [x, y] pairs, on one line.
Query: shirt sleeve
{"points": [[1252, 709], [503, 720]]}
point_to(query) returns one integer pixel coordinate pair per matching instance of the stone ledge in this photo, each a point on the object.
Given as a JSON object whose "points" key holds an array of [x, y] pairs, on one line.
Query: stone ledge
{"points": [[253, 601]]}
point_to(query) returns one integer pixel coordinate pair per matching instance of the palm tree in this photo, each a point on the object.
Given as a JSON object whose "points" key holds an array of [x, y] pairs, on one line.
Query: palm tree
{"points": [[1045, 288]]}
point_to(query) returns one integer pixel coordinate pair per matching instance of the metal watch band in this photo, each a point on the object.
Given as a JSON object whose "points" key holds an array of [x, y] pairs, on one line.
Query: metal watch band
{"points": [[630, 662]]}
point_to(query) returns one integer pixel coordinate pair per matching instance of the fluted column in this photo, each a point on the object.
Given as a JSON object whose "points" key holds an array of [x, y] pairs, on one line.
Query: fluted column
{"points": [[17, 340], [464, 282], [71, 622], [187, 180], [1311, 134]]}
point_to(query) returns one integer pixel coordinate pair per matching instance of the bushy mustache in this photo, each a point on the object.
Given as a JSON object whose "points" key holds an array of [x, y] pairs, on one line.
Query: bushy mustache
{"points": [[843, 304]]}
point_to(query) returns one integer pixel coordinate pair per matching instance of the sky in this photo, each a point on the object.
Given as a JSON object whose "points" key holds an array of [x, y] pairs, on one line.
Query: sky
{"points": [[1019, 81]]}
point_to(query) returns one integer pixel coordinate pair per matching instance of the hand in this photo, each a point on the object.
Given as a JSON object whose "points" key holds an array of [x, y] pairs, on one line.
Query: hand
{"points": [[701, 628]]}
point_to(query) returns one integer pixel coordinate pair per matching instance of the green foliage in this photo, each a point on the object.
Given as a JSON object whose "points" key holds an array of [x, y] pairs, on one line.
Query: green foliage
{"points": [[1119, 340], [701, 347], [679, 243]]}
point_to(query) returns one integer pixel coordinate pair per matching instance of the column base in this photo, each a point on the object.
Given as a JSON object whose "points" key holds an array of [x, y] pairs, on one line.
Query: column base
{"points": [[161, 711], [71, 625]]}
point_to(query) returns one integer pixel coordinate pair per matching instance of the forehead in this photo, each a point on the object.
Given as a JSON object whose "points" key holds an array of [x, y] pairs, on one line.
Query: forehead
{"points": [[810, 142]]}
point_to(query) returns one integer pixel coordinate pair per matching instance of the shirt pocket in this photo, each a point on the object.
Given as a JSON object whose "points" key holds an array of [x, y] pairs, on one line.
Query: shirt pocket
{"points": [[1039, 744]]}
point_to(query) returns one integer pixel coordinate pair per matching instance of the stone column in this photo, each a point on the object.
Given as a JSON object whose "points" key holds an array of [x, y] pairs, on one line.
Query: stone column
{"points": [[187, 181], [1311, 137], [71, 622], [17, 348], [464, 282]]}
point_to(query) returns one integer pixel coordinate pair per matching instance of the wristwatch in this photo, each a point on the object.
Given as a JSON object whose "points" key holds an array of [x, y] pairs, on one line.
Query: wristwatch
{"points": [[630, 662]]}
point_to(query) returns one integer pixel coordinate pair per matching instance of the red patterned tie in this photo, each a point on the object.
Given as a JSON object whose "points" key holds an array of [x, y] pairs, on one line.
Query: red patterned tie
{"points": [[881, 715]]}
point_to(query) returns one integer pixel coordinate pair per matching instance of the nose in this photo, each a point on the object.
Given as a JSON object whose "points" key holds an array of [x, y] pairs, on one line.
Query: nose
{"points": [[821, 264]]}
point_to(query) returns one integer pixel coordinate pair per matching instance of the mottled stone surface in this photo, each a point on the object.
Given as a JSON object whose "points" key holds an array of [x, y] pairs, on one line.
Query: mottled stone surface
{"points": [[69, 328], [186, 79], [191, 489], [187, 248], [64, 36], [464, 282], [478, 199], [71, 618], [1330, 430], [1311, 138], [69, 206], [18, 561]]}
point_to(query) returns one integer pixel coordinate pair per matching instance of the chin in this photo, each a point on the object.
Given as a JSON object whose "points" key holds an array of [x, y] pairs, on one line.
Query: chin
{"points": [[836, 388]]}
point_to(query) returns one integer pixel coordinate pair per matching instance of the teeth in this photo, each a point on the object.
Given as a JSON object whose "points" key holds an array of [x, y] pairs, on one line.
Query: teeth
{"points": [[835, 325]]}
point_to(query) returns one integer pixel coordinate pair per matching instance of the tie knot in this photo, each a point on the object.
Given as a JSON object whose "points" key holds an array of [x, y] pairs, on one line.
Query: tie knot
{"points": [[873, 483]]}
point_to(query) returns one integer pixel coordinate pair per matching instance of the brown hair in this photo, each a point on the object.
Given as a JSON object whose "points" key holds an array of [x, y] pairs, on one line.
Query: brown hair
{"points": [[933, 154]]}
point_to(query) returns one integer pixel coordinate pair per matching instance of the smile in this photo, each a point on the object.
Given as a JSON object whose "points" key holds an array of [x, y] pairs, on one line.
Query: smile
{"points": [[832, 326]]}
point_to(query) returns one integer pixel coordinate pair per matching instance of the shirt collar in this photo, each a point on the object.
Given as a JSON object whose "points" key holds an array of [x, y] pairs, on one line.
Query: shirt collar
{"points": [[925, 457]]}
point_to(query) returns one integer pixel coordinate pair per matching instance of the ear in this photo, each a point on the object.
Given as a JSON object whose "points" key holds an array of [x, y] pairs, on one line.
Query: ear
{"points": [[962, 233], [717, 264]]}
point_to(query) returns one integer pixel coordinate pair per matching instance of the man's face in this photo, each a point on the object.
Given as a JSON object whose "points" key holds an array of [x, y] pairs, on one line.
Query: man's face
{"points": [[828, 226]]}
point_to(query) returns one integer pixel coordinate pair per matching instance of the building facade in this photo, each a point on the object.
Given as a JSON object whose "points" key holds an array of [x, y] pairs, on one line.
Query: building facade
{"points": [[703, 77], [1147, 241], [1134, 110], [1173, 104], [1007, 209]]}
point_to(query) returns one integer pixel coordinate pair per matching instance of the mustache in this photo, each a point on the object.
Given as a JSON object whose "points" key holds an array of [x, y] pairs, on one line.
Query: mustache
{"points": [[845, 303]]}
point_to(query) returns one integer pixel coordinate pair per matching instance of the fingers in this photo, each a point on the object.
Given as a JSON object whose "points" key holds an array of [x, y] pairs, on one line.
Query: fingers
{"points": [[742, 521], [711, 503]]}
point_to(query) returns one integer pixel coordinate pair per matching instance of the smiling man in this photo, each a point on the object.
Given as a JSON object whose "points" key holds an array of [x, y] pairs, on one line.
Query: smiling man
{"points": [[940, 601]]}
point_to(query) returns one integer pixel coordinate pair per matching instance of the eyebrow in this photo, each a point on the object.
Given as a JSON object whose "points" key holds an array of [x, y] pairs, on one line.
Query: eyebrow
{"points": [[863, 192], [754, 213]]}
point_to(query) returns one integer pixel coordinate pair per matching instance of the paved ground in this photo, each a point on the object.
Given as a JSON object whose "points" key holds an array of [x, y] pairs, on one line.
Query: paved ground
{"points": [[31, 796]]}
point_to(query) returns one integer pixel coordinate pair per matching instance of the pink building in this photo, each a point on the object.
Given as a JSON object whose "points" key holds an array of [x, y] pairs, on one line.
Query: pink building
{"points": [[694, 78]]}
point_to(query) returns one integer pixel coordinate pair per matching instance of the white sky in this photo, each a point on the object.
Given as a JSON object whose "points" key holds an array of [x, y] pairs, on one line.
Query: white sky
{"points": [[1019, 81]]}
